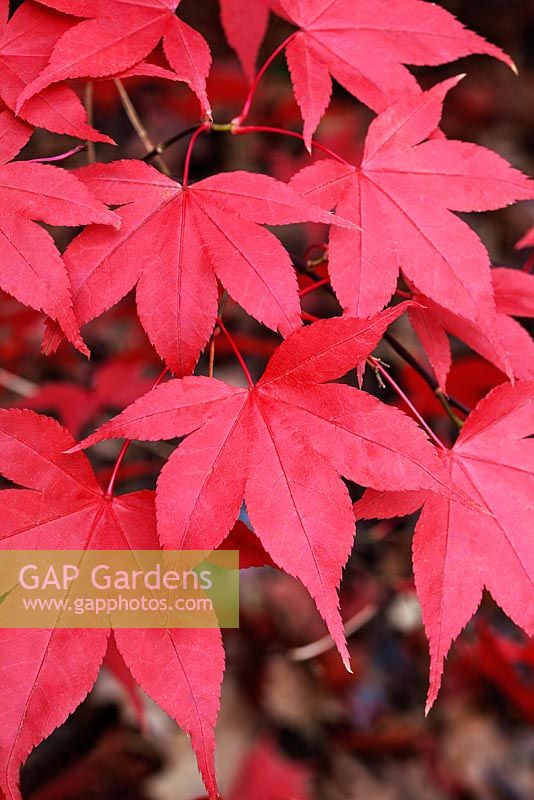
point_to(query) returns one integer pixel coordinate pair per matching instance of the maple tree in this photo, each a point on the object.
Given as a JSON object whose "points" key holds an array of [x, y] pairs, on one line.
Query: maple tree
{"points": [[291, 445]]}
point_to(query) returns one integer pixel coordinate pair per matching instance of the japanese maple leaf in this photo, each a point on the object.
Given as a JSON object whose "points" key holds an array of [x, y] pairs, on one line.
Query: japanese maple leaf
{"points": [[251, 551], [280, 777], [282, 445], [64, 508], [26, 42], [116, 666], [14, 134], [118, 35], [499, 659], [245, 24], [514, 296], [401, 197], [341, 38], [31, 268], [175, 242], [527, 240], [115, 385], [458, 551]]}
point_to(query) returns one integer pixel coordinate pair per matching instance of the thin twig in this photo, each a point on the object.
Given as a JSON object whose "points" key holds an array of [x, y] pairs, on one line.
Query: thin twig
{"points": [[138, 125], [377, 366], [16, 384], [317, 648], [242, 130], [126, 444], [446, 403], [191, 146], [446, 400], [237, 352], [314, 287], [255, 83], [60, 157], [211, 364], [89, 104], [217, 330], [162, 146]]}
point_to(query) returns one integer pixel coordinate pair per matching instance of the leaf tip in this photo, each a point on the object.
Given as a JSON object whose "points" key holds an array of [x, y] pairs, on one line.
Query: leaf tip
{"points": [[451, 83], [114, 220], [77, 448], [433, 690], [102, 138], [84, 350], [345, 657]]}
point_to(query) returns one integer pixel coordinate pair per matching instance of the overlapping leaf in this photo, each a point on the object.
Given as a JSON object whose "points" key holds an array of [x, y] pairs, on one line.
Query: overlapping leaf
{"points": [[364, 46], [117, 35], [14, 134], [244, 25], [401, 197], [280, 777], [514, 296], [458, 551], [64, 508], [31, 268], [174, 243], [281, 446], [26, 42], [115, 385], [527, 240]]}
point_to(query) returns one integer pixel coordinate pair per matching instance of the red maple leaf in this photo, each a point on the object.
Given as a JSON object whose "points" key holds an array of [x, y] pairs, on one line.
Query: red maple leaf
{"points": [[281, 778], [116, 666], [31, 267], [26, 42], [458, 551], [175, 242], [64, 508], [470, 379], [251, 551], [401, 198], [244, 25], [118, 35], [514, 292], [14, 134], [514, 296], [115, 385], [499, 659], [341, 38], [527, 240], [281, 446]]}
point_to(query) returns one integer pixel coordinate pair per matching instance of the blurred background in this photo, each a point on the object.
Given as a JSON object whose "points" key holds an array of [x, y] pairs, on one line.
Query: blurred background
{"points": [[294, 725]]}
